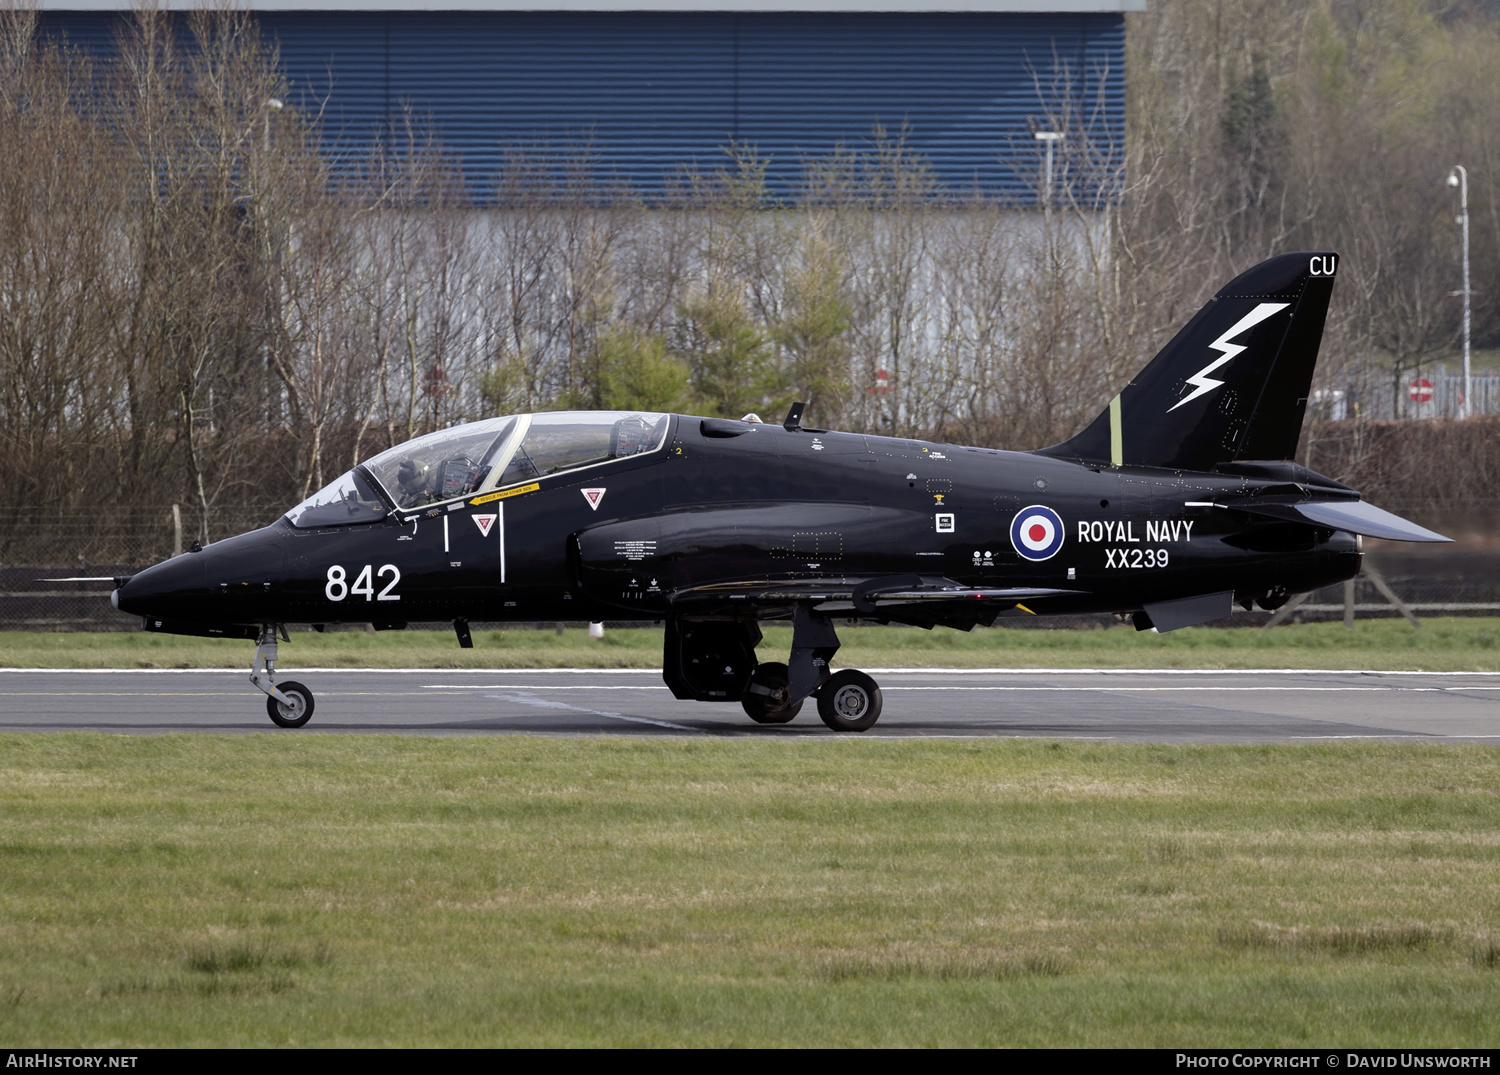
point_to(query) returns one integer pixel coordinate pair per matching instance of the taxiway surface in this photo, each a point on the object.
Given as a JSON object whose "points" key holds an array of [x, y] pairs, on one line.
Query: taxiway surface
{"points": [[1151, 706]]}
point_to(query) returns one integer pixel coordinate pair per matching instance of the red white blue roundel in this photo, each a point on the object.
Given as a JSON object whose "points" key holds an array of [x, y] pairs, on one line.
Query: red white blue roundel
{"points": [[1037, 532]]}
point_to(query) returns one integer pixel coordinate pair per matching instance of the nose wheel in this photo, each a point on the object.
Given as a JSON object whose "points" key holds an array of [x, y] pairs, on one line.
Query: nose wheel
{"points": [[289, 705], [296, 711]]}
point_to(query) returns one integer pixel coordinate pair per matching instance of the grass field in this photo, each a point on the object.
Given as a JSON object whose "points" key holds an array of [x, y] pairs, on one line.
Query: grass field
{"points": [[1453, 644], [264, 890]]}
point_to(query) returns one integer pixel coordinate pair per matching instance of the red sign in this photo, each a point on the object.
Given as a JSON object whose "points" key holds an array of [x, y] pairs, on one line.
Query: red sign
{"points": [[882, 383], [1421, 390]]}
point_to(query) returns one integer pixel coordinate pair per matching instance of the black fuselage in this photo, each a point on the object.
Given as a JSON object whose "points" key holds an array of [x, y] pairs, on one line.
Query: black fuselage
{"points": [[731, 506]]}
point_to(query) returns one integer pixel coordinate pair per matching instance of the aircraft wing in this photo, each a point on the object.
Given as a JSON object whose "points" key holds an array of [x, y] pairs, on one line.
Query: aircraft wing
{"points": [[866, 596], [1354, 516]]}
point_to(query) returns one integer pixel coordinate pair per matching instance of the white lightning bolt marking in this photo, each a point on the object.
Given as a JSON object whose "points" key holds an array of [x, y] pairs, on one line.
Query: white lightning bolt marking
{"points": [[1201, 381]]}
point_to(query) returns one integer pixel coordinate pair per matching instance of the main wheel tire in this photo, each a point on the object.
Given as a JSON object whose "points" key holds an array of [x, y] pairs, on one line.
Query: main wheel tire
{"points": [[849, 701], [765, 699], [296, 714]]}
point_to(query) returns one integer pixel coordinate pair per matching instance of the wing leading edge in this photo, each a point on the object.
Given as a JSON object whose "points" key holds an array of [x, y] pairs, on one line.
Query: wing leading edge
{"points": [[867, 596]]}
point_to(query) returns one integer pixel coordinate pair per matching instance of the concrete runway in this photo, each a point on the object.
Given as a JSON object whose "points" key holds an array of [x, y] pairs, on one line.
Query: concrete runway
{"points": [[1145, 706]]}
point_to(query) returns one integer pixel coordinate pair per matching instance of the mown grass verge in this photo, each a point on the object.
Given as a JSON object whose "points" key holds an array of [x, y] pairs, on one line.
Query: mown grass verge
{"points": [[1450, 644], [263, 890]]}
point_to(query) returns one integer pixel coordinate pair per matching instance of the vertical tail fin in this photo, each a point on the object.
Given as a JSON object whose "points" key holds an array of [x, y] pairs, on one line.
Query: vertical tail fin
{"points": [[1233, 384]]}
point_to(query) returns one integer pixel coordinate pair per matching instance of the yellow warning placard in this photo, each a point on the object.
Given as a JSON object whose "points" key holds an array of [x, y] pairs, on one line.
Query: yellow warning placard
{"points": [[488, 497]]}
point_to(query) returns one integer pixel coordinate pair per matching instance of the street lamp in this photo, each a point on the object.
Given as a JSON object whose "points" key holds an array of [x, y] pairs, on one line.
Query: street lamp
{"points": [[1460, 178], [1048, 138], [273, 104]]}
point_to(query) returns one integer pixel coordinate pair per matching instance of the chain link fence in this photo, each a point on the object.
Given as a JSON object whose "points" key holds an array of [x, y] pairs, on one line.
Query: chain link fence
{"points": [[111, 534], [38, 543], [1374, 393]]}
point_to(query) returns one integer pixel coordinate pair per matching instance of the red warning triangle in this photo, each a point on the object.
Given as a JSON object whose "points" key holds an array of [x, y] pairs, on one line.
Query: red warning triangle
{"points": [[593, 496], [484, 522]]}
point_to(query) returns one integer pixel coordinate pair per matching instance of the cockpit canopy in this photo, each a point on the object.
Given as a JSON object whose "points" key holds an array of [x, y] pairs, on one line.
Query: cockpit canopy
{"points": [[478, 457]]}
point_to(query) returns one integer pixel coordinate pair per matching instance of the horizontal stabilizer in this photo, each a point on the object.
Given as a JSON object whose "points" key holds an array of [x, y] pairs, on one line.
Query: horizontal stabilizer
{"points": [[1353, 516], [1357, 517]]}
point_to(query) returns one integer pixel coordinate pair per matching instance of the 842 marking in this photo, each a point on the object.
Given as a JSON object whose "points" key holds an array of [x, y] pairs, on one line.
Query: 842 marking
{"points": [[338, 586], [1133, 558]]}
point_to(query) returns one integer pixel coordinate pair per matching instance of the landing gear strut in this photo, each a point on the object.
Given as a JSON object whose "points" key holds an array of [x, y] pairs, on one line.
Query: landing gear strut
{"points": [[848, 701], [291, 704]]}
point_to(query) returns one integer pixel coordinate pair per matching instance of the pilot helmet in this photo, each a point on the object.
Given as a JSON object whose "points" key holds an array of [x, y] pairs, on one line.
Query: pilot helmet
{"points": [[412, 474]]}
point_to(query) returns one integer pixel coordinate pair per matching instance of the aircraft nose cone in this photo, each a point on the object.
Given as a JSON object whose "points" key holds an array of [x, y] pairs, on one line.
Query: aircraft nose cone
{"points": [[166, 589], [230, 581]]}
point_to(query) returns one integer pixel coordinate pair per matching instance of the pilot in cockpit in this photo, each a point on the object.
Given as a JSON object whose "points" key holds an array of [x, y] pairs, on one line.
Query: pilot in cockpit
{"points": [[412, 476]]}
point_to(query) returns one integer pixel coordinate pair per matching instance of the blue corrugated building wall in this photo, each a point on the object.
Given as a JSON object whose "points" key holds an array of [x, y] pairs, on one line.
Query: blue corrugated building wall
{"points": [[657, 92]]}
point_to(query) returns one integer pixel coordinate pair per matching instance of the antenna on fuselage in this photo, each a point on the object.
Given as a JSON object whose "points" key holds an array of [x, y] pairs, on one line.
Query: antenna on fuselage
{"points": [[793, 423]]}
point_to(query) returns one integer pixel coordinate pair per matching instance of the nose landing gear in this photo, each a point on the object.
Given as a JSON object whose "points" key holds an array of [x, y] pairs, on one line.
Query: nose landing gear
{"points": [[291, 704]]}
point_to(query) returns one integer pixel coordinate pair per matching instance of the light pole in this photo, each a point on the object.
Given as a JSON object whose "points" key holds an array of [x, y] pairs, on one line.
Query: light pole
{"points": [[1049, 138], [273, 104], [1460, 178], [268, 247]]}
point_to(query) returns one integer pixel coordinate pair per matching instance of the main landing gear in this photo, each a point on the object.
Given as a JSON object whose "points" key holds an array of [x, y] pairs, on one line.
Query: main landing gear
{"points": [[714, 661], [848, 701], [291, 704]]}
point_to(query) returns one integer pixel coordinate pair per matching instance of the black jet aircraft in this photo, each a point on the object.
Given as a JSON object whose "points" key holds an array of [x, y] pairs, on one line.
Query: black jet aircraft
{"points": [[1177, 502]]}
